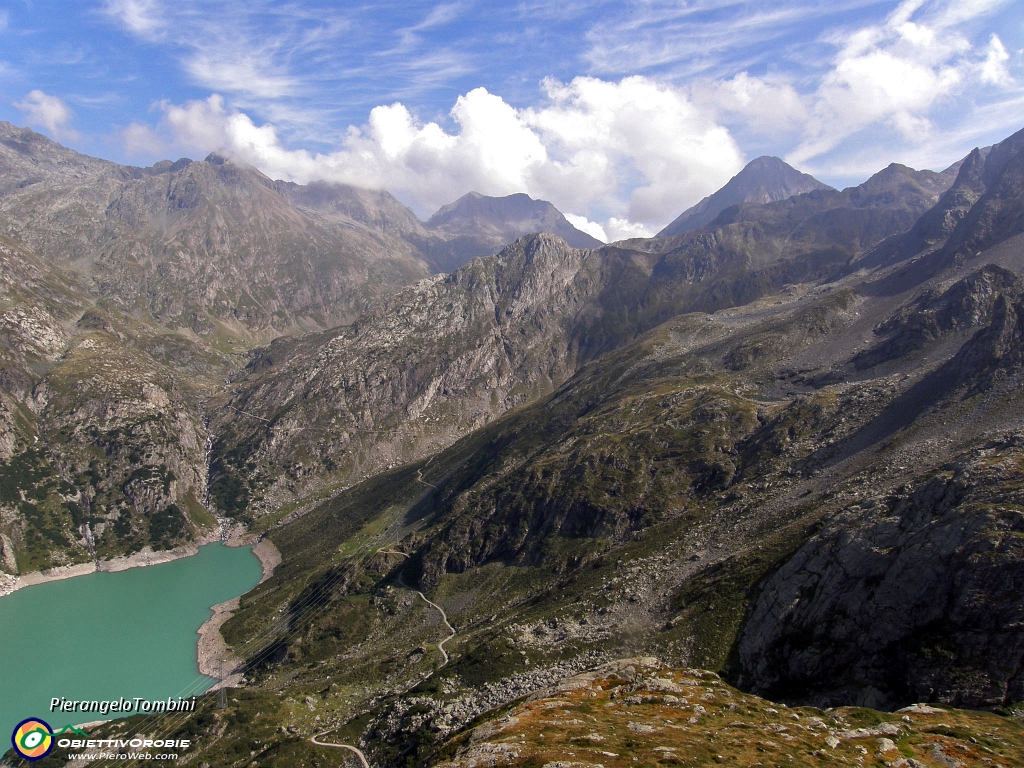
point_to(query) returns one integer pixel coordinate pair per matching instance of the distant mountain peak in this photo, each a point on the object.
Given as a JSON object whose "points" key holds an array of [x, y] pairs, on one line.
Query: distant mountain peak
{"points": [[765, 179], [479, 225]]}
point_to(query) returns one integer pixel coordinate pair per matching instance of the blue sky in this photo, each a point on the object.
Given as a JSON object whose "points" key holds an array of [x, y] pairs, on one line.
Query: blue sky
{"points": [[621, 113]]}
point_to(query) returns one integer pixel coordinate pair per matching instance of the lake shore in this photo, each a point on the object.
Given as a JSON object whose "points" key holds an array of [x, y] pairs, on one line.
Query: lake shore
{"points": [[232, 537], [214, 656], [146, 556]]}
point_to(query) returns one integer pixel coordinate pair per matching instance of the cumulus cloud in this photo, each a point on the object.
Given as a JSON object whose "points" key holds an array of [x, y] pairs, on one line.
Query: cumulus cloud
{"points": [[637, 131], [623, 229], [583, 224], [769, 106], [633, 153], [895, 73], [49, 112]]}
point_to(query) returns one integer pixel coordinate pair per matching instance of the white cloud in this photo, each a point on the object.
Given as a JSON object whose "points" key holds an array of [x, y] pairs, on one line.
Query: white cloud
{"points": [[140, 140], [993, 69], [635, 153], [623, 229], [142, 17], [638, 132], [896, 73], [49, 112], [227, 69], [256, 50], [583, 224], [767, 105]]}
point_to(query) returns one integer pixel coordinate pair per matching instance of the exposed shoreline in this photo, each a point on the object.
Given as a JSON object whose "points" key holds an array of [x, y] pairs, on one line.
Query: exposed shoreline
{"points": [[214, 656], [146, 556], [266, 552]]}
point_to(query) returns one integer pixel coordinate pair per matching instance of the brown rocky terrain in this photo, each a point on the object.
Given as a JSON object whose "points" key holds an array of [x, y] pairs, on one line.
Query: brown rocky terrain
{"points": [[637, 710]]}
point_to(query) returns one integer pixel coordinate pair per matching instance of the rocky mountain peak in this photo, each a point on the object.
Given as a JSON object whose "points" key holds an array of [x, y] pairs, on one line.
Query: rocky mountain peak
{"points": [[765, 179], [506, 218]]}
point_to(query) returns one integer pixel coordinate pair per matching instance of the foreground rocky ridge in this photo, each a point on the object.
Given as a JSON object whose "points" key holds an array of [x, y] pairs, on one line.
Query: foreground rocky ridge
{"points": [[635, 710], [620, 713]]}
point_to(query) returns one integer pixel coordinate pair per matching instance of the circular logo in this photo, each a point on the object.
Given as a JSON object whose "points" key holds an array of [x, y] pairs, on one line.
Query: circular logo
{"points": [[32, 739]]}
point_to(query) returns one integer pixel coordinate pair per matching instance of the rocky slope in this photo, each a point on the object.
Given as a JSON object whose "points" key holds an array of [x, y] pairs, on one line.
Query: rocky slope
{"points": [[441, 358], [101, 434], [637, 710], [764, 180], [197, 245]]}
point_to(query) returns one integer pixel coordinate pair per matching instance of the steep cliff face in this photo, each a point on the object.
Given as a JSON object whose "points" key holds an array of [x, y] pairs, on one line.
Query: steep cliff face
{"points": [[102, 445], [411, 375], [997, 214]]}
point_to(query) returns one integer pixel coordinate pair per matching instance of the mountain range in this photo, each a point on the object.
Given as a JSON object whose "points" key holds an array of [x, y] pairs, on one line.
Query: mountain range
{"points": [[780, 443]]}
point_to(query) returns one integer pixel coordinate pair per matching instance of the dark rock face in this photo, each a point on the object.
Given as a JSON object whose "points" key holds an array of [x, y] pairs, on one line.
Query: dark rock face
{"points": [[916, 598], [999, 213], [966, 304], [764, 180]]}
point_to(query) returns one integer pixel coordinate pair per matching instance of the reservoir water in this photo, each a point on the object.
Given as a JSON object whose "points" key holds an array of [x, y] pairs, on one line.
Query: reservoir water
{"points": [[110, 635]]}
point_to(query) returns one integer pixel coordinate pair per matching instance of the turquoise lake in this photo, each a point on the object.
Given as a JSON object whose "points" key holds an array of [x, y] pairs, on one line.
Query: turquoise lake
{"points": [[111, 635]]}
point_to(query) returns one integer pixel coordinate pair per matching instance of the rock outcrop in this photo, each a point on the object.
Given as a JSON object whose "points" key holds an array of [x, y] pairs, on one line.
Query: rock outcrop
{"points": [[914, 597]]}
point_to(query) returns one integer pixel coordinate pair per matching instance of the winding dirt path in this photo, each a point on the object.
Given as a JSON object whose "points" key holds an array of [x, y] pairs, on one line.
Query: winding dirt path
{"points": [[431, 603], [444, 618], [349, 747], [440, 646]]}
